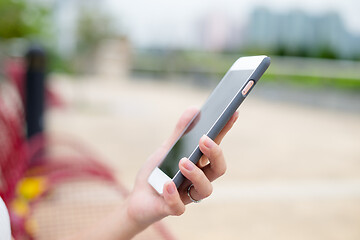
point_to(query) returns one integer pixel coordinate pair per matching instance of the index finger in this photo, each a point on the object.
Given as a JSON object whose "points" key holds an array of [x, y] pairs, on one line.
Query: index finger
{"points": [[227, 128], [182, 123]]}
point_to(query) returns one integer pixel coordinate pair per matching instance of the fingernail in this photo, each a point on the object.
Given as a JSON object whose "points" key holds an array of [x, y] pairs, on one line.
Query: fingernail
{"points": [[170, 188], [203, 162], [208, 142], [187, 164]]}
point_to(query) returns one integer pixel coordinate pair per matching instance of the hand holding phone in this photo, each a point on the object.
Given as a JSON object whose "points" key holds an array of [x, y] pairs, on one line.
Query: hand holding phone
{"points": [[210, 120], [146, 206]]}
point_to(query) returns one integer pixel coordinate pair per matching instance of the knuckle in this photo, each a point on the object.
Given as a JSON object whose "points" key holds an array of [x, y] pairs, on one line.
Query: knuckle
{"points": [[197, 176], [209, 191], [218, 152], [222, 170], [179, 211], [176, 208]]}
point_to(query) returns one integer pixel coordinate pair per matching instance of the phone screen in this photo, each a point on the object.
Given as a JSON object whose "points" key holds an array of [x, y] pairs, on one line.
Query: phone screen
{"points": [[204, 120]]}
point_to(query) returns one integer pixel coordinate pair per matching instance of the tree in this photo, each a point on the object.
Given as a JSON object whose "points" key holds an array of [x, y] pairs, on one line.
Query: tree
{"points": [[21, 19]]}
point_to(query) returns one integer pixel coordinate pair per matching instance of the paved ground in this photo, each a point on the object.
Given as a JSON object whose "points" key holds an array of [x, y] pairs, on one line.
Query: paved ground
{"points": [[293, 170]]}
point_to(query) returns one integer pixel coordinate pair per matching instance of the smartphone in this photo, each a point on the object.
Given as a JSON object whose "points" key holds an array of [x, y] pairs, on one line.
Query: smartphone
{"points": [[210, 120]]}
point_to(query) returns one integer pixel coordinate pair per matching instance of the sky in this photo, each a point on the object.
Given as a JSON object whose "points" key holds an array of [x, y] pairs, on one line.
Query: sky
{"points": [[171, 22]]}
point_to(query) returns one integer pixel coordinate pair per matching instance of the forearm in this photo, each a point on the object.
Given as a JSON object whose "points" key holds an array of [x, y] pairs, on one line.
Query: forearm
{"points": [[118, 225]]}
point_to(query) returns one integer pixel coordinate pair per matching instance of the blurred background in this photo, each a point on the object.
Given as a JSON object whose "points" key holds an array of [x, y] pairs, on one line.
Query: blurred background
{"points": [[116, 75]]}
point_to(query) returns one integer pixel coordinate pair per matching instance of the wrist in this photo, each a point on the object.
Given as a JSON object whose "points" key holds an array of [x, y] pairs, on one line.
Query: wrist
{"points": [[128, 226]]}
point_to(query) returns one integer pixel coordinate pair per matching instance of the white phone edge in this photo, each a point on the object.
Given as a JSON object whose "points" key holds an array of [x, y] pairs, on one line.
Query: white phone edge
{"points": [[157, 179], [247, 63]]}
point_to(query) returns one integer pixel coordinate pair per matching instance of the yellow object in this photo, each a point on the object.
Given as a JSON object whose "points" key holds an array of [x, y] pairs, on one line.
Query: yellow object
{"points": [[31, 187], [31, 226], [20, 207]]}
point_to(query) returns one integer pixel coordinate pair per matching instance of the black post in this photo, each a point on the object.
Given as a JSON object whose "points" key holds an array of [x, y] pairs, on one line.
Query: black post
{"points": [[35, 90]]}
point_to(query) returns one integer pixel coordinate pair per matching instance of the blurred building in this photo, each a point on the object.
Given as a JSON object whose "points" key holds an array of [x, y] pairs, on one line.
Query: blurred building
{"points": [[217, 32], [299, 33]]}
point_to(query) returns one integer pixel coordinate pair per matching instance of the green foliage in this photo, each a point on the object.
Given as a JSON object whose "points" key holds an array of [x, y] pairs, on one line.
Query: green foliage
{"points": [[326, 51], [323, 51], [314, 81], [21, 19]]}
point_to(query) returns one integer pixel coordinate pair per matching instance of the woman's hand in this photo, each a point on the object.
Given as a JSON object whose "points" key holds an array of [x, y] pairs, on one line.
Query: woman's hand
{"points": [[145, 206]]}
